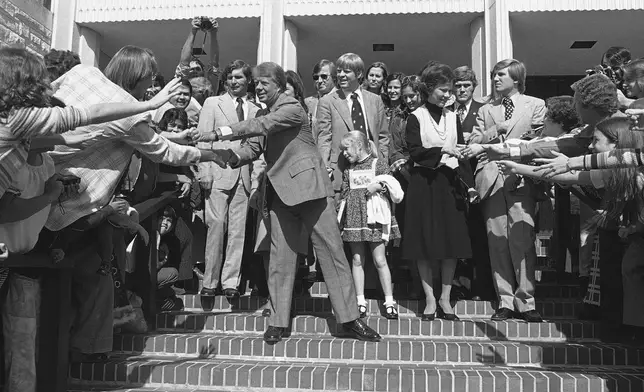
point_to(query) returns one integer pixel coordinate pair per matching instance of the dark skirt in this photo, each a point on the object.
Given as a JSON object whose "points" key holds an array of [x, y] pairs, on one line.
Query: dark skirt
{"points": [[435, 219]]}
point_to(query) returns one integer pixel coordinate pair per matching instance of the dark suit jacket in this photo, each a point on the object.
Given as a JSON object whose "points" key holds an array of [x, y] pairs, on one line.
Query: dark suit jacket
{"points": [[470, 119], [334, 121], [293, 164]]}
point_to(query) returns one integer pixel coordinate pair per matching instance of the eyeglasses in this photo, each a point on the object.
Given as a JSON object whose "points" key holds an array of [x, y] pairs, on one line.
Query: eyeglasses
{"points": [[323, 77]]}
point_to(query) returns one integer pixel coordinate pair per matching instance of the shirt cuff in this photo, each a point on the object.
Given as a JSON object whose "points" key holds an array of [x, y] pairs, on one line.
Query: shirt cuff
{"points": [[515, 152], [224, 133]]}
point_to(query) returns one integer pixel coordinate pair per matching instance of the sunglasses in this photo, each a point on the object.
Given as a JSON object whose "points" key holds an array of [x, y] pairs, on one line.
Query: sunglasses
{"points": [[323, 77]]}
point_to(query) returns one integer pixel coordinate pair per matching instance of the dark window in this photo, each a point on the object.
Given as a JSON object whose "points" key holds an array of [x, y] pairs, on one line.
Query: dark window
{"points": [[47, 4]]}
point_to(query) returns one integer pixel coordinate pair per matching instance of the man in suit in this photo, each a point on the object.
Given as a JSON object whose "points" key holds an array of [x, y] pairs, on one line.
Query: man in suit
{"points": [[297, 195], [477, 270], [227, 204], [508, 202], [324, 75], [349, 108]]}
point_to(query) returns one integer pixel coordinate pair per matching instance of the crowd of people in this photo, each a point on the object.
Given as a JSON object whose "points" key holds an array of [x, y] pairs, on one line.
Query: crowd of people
{"points": [[403, 170]]}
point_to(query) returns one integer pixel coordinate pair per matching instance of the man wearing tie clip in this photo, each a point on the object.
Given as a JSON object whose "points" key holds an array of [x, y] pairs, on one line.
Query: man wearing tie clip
{"points": [[508, 202]]}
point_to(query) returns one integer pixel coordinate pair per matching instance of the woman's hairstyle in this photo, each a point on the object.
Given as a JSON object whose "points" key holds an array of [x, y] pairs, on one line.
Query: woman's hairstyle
{"points": [[597, 92], [24, 81], [399, 76], [561, 110], [634, 72], [354, 138], [172, 115], [465, 74], [428, 64], [353, 62], [273, 71], [616, 56], [385, 74], [516, 70], [295, 80], [130, 65], [323, 63], [433, 77], [622, 183], [59, 62]]}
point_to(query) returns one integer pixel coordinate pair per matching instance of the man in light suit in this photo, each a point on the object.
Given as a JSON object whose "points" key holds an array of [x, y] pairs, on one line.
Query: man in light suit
{"points": [[227, 203], [297, 195], [349, 108], [508, 201]]}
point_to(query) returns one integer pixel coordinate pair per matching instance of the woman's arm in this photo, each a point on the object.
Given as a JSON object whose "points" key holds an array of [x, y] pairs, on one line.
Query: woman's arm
{"points": [[574, 178], [16, 209]]}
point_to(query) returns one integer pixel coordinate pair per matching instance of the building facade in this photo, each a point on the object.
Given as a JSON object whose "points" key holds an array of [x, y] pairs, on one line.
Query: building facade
{"points": [[297, 33], [27, 23]]}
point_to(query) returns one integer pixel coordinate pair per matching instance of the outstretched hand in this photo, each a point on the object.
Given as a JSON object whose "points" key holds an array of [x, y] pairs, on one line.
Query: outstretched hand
{"points": [[552, 166], [169, 91], [507, 167], [221, 157]]}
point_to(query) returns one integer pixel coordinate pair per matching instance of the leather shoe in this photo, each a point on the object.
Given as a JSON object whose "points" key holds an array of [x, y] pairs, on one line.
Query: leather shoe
{"points": [[273, 334], [208, 292], [231, 293], [531, 316], [502, 314], [362, 331]]}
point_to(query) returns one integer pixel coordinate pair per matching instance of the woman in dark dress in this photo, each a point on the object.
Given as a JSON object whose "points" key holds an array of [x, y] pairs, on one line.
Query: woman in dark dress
{"points": [[435, 232]]}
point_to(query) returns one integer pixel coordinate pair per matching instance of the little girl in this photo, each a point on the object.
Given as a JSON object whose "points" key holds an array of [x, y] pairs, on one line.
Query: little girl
{"points": [[366, 189]]}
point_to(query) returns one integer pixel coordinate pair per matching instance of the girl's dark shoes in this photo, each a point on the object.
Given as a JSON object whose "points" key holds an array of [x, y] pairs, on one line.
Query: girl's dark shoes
{"points": [[446, 316], [390, 312], [428, 317], [362, 309]]}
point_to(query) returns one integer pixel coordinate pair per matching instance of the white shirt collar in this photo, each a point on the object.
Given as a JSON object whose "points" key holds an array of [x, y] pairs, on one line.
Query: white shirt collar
{"points": [[359, 92], [234, 98], [467, 105], [514, 97]]}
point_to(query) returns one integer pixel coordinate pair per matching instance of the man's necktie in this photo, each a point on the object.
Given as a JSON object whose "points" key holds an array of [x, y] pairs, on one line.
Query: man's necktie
{"points": [[460, 112], [357, 116], [240, 109], [509, 107]]}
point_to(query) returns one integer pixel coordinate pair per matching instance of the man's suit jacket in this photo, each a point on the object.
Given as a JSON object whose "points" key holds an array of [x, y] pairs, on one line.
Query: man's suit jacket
{"points": [[529, 113], [293, 164], [217, 112], [468, 124], [334, 121]]}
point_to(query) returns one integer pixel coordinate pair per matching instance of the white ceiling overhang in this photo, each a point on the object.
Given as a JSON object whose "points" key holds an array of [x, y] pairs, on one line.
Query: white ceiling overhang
{"points": [[574, 5], [374, 7]]}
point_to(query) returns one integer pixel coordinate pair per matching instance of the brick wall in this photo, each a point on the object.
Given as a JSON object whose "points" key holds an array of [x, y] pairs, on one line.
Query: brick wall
{"points": [[26, 22]]}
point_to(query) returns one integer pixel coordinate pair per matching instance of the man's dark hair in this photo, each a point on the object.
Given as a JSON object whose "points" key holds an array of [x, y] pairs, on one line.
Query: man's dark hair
{"points": [[59, 62], [597, 92], [323, 63], [561, 110], [237, 64]]}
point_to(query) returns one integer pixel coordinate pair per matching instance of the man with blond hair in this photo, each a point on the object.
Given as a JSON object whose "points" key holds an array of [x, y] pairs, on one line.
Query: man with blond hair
{"points": [[349, 108]]}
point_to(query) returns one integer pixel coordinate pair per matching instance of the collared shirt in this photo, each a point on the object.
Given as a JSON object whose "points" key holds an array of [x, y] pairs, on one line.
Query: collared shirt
{"points": [[245, 107], [101, 164], [467, 106], [514, 97], [361, 100]]}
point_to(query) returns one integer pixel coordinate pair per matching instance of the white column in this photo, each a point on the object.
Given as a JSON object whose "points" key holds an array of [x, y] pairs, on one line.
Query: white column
{"points": [[289, 55], [64, 35], [477, 44], [89, 46], [498, 34], [271, 32]]}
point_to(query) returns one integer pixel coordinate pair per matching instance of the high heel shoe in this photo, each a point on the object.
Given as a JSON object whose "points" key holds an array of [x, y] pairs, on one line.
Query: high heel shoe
{"points": [[446, 316], [428, 317]]}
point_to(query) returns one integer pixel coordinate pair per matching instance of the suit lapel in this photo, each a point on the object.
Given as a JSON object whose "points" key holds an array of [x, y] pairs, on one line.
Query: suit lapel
{"points": [[498, 112], [228, 109], [341, 106]]}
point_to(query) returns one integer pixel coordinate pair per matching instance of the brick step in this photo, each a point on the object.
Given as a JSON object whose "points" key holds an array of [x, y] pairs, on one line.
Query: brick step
{"points": [[473, 329], [401, 350], [546, 288], [550, 309], [213, 375]]}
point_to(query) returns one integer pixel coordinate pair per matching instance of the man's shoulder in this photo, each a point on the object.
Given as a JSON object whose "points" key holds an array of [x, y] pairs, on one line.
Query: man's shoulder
{"points": [[476, 105], [533, 100], [311, 99]]}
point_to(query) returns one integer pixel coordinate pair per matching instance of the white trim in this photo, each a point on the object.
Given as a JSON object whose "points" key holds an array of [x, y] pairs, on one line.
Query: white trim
{"points": [[89, 11], [574, 5], [344, 7]]}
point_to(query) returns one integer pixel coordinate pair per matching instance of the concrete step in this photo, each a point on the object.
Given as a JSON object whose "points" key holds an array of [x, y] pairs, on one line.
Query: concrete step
{"points": [[401, 350], [550, 308], [546, 288], [216, 375], [472, 329]]}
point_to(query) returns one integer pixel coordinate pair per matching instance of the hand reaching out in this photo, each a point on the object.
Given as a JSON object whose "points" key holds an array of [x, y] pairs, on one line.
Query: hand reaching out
{"points": [[54, 187], [79, 138], [185, 189], [470, 151], [507, 167], [552, 166], [170, 90]]}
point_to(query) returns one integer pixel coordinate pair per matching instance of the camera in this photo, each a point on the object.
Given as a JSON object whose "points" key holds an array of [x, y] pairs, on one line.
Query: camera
{"points": [[70, 179], [206, 23]]}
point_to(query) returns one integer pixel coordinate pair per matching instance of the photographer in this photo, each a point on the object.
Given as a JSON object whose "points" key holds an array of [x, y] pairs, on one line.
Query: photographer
{"points": [[190, 66], [612, 65]]}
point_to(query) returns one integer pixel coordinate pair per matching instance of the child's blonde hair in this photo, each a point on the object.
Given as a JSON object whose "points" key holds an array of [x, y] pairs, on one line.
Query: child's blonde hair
{"points": [[353, 137]]}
